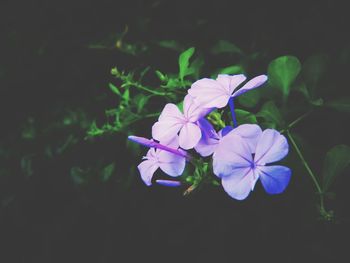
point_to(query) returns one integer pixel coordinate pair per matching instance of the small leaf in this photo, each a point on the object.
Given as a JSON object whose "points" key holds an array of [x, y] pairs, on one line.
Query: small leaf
{"points": [[337, 159], [140, 101], [126, 96], [184, 61], [114, 89], [244, 117], [250, 99], [107, 172], [224, 46], [161, 76], [341, 104], [282, 72], [271, 115]]}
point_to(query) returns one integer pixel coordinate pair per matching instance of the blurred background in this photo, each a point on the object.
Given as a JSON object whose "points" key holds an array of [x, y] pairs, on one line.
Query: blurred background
{"points": [[65, 198]]}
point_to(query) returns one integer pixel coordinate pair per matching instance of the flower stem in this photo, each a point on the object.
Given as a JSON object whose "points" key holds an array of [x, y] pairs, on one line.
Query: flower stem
{"points": [[293, 123], [308, 169], [232, 108]]}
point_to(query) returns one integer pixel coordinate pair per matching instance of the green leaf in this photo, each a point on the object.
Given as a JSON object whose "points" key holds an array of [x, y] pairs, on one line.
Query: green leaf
{"points": [[341, 104], [107, 172], [140, 101], [224, 46], [337, 159], [184, 62], [126, 96], [271, 114], [161, 76], [250, 99], [114, 89], [282, 72], [244, 117]]}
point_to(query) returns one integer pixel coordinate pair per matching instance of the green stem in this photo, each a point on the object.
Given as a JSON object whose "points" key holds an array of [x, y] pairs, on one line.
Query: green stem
{"points": [[306, 165], [293, 123], [313, 177], [139, 86]]}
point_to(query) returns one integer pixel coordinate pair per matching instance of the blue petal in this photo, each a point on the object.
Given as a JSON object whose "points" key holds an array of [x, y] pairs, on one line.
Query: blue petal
{"points": [[168, 183], [274, 178]]}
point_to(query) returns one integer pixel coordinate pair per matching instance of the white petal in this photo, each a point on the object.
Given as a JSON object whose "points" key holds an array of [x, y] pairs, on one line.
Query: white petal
{"points": [[250, 133], [171, 164], [193, 110], [147, 169], [271, 147], [239, 184], [171, 113], [190, 135], [209, 93], [165, 130], [231, 153], [230, 82]]}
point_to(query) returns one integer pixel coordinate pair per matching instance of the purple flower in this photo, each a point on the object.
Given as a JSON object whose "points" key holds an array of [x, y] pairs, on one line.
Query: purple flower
{"points": [[172, 121], [211, 93], [211, 140], [170, 162], [239, 169]]}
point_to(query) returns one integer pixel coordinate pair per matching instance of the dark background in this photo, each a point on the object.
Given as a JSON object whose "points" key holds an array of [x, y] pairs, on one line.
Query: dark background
{"points": [[46, 68]]}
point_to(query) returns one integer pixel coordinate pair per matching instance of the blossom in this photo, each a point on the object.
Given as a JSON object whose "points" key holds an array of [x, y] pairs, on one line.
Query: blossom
{"points": [[169, 159], [239, 169], [211, 140], [172, 121], [210, 93]]}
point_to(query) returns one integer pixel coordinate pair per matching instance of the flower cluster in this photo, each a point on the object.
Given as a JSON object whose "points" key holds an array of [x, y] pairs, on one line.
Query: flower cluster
{"points": [[240, 154]]}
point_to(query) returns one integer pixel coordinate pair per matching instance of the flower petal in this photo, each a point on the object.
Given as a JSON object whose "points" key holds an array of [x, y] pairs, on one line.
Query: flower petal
{"points": [[231, 153], [230, 82], [170, 113], [226, 130], [193, 110], [209, 139], [274, 178], [168, 183], [147, 169], [209, 93], [239, 184], [271, 147], [190, 135], [170, 163], [165, 130], [251, 84], [250, 133]]}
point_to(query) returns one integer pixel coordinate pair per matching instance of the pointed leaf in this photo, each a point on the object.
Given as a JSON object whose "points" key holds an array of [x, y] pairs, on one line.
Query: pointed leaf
{"points": [[114, 89], [282, 72], [184, 61]]}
